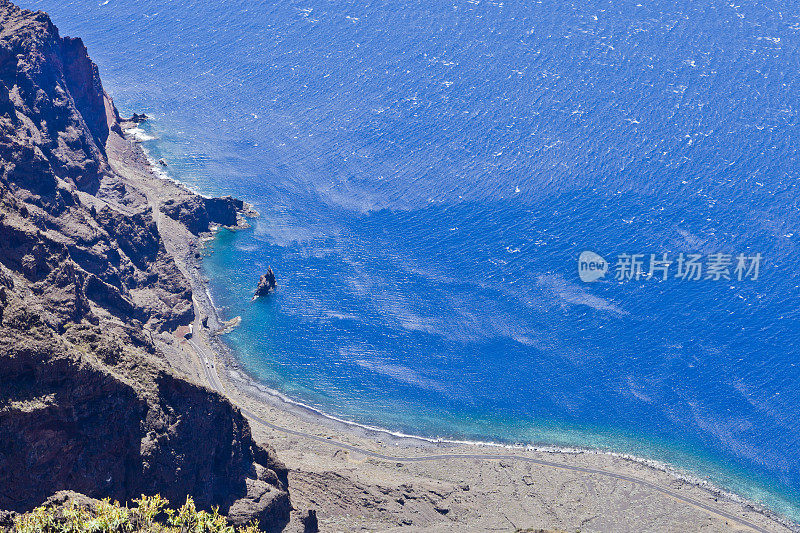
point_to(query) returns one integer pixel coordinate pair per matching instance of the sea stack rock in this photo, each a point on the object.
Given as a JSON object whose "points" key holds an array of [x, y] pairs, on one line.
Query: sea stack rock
{"points": [[137, 118], [266, 284]]}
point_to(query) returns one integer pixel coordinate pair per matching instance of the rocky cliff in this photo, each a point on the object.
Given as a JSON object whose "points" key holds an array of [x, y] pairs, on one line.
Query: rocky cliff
{"points": [[87, 401]]}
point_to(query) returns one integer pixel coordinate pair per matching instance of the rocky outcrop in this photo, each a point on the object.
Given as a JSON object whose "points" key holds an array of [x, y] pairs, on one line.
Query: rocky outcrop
{"points": [[58, 113], [266, 284], [198, 213], [87, 400], [72, 423]]}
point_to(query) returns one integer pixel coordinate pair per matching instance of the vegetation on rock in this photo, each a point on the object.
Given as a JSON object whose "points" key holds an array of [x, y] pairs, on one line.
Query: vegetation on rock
{"points": [[151, 514]]}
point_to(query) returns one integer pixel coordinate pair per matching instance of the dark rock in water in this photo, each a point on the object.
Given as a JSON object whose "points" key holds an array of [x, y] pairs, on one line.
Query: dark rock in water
{"points": [[137, 118], [223, 210], [198, 213], [266, 284], [162, 162]]}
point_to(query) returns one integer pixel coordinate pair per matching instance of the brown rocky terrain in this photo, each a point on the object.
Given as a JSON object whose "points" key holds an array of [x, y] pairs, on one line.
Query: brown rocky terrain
{"points": [[88, 401]]}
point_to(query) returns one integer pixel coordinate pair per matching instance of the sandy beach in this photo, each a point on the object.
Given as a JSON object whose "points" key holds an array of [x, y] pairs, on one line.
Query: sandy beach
{"points": [[363, 479]]}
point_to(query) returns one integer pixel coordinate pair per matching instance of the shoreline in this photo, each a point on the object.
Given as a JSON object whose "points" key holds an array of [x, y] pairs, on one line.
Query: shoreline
{"points": [[238, 377], [243, 389]]}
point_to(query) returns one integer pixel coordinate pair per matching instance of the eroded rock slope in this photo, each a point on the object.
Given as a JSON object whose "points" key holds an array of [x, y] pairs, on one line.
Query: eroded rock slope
{"points": [[86, 400]]}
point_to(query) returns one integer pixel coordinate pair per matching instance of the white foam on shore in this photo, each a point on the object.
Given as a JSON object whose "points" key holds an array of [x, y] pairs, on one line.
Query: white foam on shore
{"points": [[139, 134], [157, 170], [160, 172]]}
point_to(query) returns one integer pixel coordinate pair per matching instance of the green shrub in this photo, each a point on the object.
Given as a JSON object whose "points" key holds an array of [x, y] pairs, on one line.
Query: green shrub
{"points": [[151, 515]]}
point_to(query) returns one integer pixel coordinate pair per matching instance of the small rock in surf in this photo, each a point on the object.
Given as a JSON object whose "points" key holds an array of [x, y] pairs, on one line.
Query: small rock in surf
{"points": [[266, 284]]}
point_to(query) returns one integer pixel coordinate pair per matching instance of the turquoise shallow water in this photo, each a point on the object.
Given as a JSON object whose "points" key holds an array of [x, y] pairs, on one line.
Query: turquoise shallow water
{"points": [[428, 174]]}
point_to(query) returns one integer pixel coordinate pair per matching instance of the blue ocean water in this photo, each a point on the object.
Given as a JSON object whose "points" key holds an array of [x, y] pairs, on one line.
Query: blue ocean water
{"points": [[429, 172]]}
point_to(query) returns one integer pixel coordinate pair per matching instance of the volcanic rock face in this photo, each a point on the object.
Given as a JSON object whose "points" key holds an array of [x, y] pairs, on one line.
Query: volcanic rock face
{"points": [[198, 213], [87, 402], [53, 100]]}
